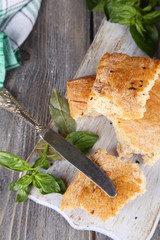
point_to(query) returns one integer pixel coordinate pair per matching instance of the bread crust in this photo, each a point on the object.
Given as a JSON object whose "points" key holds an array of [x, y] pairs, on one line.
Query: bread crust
{"points": [[143, 135], [126, 176], [124, 81], [78, 91]]}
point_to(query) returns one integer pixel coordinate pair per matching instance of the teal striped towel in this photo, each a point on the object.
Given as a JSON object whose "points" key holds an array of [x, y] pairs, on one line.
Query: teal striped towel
{"points": [[17, 18]]}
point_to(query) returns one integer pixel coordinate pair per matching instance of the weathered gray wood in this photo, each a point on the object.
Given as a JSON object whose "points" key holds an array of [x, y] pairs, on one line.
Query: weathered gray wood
{"points": [[51, 56], [97, 19]]}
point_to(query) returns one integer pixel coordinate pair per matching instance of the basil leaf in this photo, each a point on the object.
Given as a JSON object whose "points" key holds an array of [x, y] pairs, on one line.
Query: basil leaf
{"points": [[150, 43], [45, 165], [21, 183], [84, 141], [46, 183], [60, 113], [22, 195], [52, 155], [147, 9], [152, 17], [108, 9], [129, 2], [13, 162], [61, 184], [95, 5], [121, 13], [41, 162]]}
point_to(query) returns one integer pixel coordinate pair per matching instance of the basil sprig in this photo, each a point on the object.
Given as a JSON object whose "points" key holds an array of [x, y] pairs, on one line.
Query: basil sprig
{"points": [[139, 16], [46, 183]]}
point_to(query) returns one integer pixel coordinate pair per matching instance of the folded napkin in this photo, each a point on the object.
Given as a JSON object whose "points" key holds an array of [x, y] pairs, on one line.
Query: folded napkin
{"points": [[17, 18]]}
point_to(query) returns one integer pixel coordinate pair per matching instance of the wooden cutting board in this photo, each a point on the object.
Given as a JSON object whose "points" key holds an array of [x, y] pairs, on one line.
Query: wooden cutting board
{"points": [[138, 219]]}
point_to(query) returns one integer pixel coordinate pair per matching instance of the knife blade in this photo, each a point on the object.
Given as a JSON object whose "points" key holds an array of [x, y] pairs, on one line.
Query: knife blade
{"points": [[59, 144], [78, 160]]}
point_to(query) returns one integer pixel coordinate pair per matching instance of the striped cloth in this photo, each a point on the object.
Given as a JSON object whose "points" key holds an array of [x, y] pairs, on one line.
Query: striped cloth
{"points": [[17, 18]]}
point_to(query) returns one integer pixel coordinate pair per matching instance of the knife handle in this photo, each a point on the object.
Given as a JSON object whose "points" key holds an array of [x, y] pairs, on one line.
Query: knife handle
{"points": [[8, 102]]}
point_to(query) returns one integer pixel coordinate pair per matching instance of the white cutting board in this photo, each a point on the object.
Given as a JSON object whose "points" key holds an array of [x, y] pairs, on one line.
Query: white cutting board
{"points": [[138, 219]]}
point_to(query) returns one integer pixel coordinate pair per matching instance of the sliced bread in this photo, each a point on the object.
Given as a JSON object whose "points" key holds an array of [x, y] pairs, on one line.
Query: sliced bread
{"points": [[142, 136], [122, 85], [83, 193]]}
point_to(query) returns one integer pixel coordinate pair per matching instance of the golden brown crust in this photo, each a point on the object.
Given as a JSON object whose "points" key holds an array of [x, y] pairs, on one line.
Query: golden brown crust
{"points": [[78, 91], [144, 134], [126, 176], [123, 80]]}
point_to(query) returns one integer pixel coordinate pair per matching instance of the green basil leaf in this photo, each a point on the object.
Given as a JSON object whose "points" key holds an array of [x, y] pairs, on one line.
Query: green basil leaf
{"points": [[41, 162], [95, 5], [84, 141], [36, 183], [60, 113], [108, 9], [13, 162], [21, 183], [30, 172], [150, 43], [152, 17], [140, 28], [61, 184], [147, 9], [122, 13], [46, 183], [129, 2], [22, 195], [45, 165]]}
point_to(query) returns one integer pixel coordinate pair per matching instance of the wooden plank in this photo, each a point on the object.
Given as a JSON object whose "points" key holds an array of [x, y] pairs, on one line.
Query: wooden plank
{"points": [[97, 19], [51, 56]]}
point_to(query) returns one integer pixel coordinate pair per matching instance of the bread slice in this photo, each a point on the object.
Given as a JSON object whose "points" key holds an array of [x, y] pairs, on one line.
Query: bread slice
{"points": [[83, 193], [122, 85], [78, 91], [142, 136]]}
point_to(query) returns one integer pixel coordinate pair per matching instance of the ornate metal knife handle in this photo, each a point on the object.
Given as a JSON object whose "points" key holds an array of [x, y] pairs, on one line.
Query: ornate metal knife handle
{"points": [[8, 102]]}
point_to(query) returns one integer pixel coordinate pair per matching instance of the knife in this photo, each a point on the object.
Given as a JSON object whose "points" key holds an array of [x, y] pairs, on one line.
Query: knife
{"points": [[60, 145]]}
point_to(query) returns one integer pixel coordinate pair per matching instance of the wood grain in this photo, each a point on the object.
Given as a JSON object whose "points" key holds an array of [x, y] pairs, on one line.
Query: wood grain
{"points": [[51, 55]]}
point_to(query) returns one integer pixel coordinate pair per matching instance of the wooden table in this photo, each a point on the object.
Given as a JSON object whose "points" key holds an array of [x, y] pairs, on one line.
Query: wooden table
{"points": [[51, 55]]}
